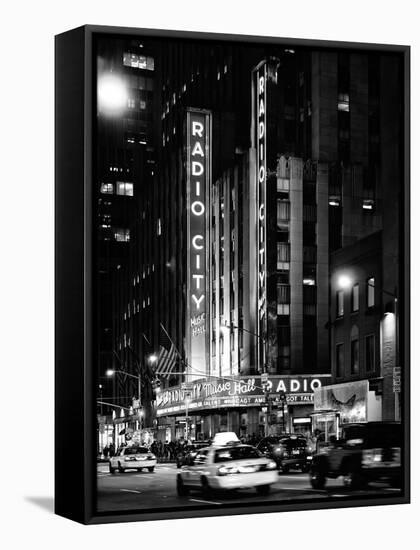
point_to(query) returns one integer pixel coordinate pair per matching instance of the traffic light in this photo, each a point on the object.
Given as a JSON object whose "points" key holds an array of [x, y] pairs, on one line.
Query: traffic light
{"points": [[156, 385]]}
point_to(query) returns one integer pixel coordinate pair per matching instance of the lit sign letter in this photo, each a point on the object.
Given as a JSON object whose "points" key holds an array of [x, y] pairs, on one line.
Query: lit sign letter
{"points": [[198, 181]]}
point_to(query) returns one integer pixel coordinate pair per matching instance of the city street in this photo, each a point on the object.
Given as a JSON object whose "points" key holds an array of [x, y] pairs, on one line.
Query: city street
{"points": [[145, 491]]}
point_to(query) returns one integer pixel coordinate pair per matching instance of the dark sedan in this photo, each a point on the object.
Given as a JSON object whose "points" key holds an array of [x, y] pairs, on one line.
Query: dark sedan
{"points": [[288, 451]]}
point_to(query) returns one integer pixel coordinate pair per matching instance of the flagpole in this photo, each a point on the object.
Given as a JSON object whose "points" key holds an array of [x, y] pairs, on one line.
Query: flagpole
{"points": [[172, 342]]}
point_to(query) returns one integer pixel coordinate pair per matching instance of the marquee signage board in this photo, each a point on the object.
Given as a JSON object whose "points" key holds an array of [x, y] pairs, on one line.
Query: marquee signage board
{"points": [[243, 391], [198, 143]]}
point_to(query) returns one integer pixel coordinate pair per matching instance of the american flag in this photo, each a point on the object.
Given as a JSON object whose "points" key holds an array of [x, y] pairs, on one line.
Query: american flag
{"points": [[167, 358]]}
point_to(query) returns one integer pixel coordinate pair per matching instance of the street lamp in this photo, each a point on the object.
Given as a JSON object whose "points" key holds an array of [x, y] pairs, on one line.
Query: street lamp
{"points": [[112, 94], [111, 372]]}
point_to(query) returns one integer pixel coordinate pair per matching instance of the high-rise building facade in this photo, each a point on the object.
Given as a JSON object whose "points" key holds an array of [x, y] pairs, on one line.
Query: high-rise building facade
{"points": [[234, 224]]}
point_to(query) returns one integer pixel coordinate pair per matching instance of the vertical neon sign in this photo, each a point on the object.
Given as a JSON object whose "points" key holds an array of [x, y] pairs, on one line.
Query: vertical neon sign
{"points": [[198, 181], [261, 150]]}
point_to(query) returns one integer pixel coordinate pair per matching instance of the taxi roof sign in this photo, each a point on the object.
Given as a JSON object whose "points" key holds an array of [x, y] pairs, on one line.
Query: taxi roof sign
{"points": [[224, 438]]}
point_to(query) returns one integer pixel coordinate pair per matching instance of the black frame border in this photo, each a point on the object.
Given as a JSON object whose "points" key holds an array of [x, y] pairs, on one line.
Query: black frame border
{"points": [[75, 493]]}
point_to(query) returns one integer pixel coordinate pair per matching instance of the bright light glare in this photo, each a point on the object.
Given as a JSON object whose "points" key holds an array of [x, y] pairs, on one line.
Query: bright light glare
{"points": [[112, 93], [344, 281], [153, 358], [110, 372]]}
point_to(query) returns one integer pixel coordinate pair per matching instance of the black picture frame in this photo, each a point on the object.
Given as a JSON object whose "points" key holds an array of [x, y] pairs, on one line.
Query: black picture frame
{"points": [[75, 406]]}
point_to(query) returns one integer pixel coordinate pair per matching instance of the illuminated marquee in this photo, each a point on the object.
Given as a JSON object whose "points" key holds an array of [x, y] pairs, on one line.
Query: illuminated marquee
{"points": [[261, 149], [198, 178]]}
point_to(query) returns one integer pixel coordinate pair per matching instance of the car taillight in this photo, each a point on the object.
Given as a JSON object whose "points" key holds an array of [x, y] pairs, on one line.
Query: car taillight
{"points": [[226, 470], [278, 450], [151, 457], [371, 456], [396, 454]]}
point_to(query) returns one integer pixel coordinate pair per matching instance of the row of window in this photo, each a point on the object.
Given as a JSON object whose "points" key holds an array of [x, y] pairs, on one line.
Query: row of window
{"points": [[355, 297], [124, 188], [369, 352], [138, 61]]}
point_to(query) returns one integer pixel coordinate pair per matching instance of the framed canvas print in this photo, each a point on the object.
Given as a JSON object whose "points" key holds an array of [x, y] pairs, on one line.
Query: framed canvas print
{"points": [[232, 274]]}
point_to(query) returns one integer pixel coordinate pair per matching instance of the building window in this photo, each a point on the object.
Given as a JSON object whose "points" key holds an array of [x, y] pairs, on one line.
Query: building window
{"points": [[339, 360], [122, 235], [131, 103], [138, 61], [370, 292], [283, 255], [354, 350], [343, 102], [283, 309], [283, 184], [125, 188], [283, 212], [107, 188], [355, 357], [355, 298], [370, 352], [340, 303]]}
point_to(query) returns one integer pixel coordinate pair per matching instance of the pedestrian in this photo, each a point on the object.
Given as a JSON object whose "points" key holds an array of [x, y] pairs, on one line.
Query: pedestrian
{"points": [[111, 450]]}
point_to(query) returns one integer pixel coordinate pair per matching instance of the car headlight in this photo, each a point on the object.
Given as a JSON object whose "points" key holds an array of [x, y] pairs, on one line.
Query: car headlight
{"points": [[271, 465]]}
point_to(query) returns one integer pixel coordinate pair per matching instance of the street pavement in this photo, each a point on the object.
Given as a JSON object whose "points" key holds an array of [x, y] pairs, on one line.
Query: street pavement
{"points": [[134, 490]]}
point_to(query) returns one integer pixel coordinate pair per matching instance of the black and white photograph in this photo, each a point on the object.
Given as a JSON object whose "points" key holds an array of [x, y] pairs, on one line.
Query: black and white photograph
{"points": [[209, 274], [249, 270]]}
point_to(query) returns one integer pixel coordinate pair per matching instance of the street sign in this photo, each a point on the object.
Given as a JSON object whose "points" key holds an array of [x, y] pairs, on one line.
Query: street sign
{"points": [[396, 380], [186, 386]]}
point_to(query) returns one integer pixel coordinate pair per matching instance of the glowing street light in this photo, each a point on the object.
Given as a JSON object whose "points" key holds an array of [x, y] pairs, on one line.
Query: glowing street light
{"points": [[344, 281], [112, 94], [153, 358]]}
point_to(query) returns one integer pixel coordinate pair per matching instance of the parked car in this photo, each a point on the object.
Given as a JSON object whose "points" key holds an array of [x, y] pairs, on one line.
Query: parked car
{"points": [[189, 452], [232, 466], [288, 451], [132, 458], [366, 452]]}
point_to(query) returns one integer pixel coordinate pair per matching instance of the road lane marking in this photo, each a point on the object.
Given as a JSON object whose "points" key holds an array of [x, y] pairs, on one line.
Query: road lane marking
{"points": [[130, 491], [286, 488], [205, 501]]}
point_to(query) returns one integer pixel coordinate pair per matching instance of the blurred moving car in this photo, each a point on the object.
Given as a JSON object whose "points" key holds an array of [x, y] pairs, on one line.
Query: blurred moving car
{"points": [[132, 458], [288, 451], [232, 466], [189, 452], [366, 452]]}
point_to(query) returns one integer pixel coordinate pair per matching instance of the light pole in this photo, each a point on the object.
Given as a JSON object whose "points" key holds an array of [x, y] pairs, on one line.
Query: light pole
{"points": [[264, 376], [111, 372]]}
